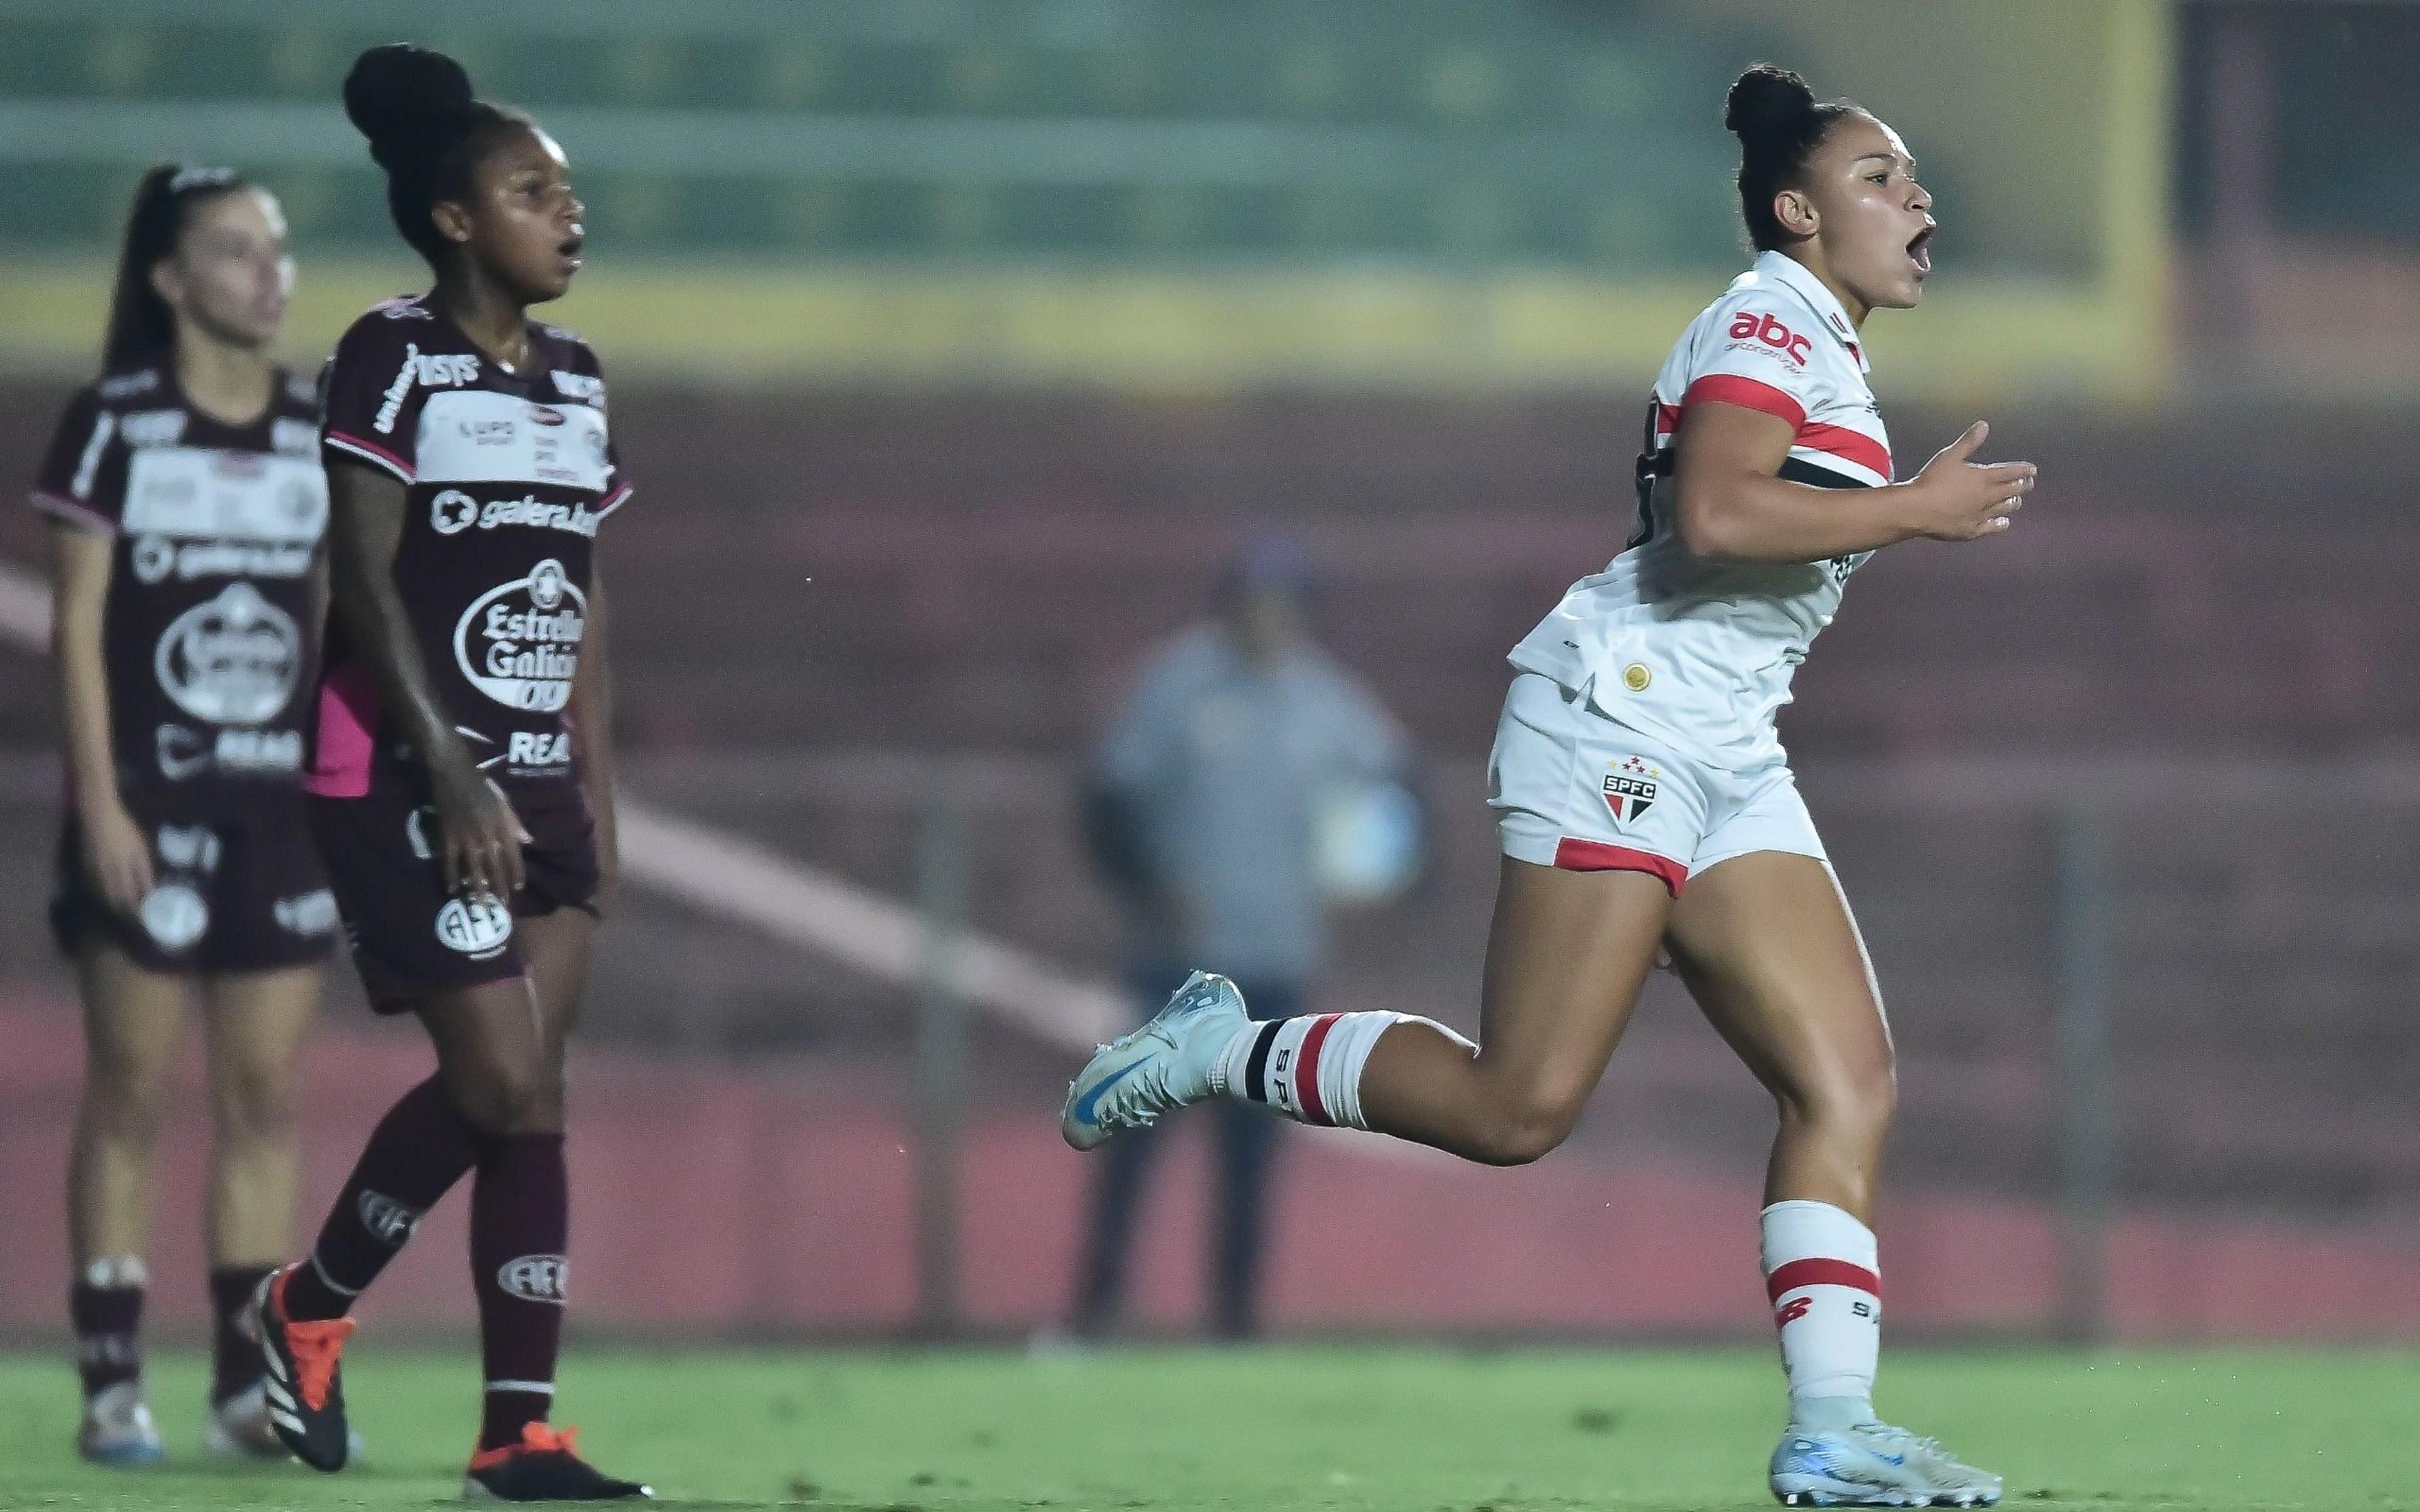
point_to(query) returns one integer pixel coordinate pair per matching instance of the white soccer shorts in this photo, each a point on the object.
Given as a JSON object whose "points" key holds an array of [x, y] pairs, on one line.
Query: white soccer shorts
{"points": [[1573, 788]]}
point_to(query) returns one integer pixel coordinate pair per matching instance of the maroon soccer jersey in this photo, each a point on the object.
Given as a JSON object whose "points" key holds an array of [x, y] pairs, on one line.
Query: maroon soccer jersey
{"points": [[206, 637], [509, 473]]}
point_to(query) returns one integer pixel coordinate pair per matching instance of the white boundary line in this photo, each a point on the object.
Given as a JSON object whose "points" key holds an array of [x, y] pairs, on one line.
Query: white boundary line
{"points": [[782, 899]]}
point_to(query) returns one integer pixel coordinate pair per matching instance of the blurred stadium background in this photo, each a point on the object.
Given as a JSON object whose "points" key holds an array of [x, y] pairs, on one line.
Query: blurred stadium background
{"points": [[954, 341]]}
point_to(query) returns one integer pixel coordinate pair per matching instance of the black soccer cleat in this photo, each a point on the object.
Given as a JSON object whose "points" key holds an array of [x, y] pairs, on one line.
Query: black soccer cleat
{"points": [[305, 1385], [544, 1467]]}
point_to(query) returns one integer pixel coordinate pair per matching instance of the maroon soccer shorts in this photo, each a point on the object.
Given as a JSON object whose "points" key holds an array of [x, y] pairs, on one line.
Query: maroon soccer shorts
{"points": [[410, 939], [228, 894]]}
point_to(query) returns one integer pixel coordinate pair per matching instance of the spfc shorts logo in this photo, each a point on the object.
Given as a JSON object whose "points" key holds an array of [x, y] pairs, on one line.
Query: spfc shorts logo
{"points": [[1629, 790]]}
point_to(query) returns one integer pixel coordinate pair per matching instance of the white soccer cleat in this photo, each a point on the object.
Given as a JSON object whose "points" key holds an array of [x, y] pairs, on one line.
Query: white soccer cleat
{"points": [[1874, 1464], [117, 1428], [238, 1427], [1168, 1062]]}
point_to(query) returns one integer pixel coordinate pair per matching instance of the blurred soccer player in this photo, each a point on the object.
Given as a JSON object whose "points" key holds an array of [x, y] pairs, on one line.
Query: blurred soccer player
{"points": [[186, 505], [1204, 812], [461, 777], [1644, 800]]}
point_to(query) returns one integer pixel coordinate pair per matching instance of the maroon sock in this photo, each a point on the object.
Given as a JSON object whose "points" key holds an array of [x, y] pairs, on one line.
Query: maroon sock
{"points": [[414, 1156], [520, 1220], [109, 1332], [235, 1354]]}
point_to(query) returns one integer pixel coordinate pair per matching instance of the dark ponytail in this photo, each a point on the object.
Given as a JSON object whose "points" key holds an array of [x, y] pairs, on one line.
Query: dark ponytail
{"points": [[1779, 126], [142, 328], [426, 130]]}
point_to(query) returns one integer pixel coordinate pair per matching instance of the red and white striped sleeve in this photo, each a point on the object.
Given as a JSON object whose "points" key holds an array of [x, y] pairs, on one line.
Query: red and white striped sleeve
{"points": [[1751, 355]]}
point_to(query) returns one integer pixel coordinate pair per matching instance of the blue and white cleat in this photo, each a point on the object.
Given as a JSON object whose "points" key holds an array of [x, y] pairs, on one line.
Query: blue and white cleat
{"points": [[117, 1428], [239, 1427], [1874, 1464], [1168, 1062]]}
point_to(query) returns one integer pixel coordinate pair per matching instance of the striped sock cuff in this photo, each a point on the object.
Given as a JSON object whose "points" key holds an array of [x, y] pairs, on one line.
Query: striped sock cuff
{"points": [[1282, 1069], [1799, 1275], [1310, 1068]]}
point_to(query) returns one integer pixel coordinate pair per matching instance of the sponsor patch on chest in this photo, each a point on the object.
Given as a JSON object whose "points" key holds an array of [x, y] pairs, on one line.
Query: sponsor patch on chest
{"points": [[481, 437]]}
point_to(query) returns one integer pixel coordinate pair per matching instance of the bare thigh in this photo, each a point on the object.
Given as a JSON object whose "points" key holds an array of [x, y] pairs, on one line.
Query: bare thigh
{"points": [[134, 1019], [1566, 957], [492, 1057], [1768, 947], [556, 945], [255, 1022]]}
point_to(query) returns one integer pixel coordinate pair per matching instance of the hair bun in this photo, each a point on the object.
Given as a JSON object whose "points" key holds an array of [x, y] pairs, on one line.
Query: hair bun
{"points": [[1768, 101], [396, 92]]}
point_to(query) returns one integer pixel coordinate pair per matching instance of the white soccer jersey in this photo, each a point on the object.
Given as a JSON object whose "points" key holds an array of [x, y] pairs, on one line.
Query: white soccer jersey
{"points": [[1702, 652]]}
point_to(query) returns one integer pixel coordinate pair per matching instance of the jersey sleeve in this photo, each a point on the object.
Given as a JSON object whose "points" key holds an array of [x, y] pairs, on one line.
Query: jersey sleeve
{"points": [[619, 485], [1750, 356], [78, 482], [370, 398]]}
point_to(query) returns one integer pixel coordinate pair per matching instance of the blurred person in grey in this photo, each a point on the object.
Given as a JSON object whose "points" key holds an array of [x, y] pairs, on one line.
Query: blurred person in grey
{"points": [[1249, 785]]}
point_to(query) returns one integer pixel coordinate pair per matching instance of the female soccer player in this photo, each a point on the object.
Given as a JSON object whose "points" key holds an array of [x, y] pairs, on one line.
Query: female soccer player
{"points": [[1644, 800], [186, 505], [463, 784]]}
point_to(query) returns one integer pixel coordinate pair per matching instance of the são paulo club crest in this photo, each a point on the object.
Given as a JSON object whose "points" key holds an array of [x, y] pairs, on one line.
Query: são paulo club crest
{"points": [[1630, 789]]}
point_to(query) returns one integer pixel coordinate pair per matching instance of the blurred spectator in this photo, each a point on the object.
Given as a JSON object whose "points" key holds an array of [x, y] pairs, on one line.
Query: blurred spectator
{"points": [[1249, 785]]}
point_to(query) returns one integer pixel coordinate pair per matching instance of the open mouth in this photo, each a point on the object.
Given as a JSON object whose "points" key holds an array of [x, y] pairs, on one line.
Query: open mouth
{"points": [[568, 248], [1919, 251]]}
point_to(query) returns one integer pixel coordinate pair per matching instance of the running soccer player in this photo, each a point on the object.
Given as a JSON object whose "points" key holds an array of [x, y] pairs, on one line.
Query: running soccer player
{"points": [[186, 505], [1644, 801], [461, 778]]}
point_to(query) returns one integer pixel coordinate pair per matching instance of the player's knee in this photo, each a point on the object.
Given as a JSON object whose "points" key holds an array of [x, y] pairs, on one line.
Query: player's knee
{"points": [[123, 1096], [128, 1122], [1853, 1101], [505, 1097], [542, 1112], [252, 1102], [1528, 1122]]}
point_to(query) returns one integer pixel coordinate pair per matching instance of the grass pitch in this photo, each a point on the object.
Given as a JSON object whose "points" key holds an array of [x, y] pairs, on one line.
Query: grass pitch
{"points": [[1423, 1431]]}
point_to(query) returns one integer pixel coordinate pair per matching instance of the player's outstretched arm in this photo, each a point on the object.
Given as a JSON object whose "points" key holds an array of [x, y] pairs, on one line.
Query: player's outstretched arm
{"points": [[1732, 507], [481, 840]]}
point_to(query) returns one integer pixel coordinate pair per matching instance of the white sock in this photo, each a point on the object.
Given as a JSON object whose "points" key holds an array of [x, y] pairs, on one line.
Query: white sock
{"points": [[1309, 1068], [1822, 1273]]}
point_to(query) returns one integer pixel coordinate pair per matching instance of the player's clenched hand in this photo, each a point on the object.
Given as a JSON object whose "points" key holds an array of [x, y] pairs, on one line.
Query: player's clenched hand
{"points": [[1958, 498], [116, 856], [482, 836]]}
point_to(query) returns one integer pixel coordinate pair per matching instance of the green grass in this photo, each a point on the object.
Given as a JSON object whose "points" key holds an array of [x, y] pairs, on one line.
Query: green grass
{"points": [[1419, 1429]]}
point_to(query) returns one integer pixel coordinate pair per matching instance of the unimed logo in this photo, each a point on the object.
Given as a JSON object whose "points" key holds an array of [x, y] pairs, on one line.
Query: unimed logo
{"points": [[1769, 332], [535, 1277]]}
